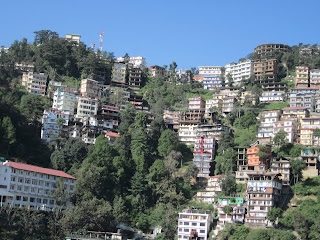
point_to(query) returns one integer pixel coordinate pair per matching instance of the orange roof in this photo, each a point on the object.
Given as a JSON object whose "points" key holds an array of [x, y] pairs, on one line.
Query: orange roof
{"points": [[33, 168], [112, 134]]}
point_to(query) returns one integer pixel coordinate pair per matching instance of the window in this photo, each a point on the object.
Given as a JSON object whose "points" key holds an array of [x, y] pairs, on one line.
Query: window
{"points": [[18, 198], [32, 199], [13, 179], [51, 202], [12, 187], [45, 201], [25, 199]]}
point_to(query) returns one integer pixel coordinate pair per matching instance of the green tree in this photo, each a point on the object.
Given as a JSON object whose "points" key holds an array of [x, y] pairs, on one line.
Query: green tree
{"points": [[280, 139], [44, 36], [227, 209], [274, 214], [247, 120], [228, 185], [126, 118], [297, 166], [9, 132], [168, 141]]}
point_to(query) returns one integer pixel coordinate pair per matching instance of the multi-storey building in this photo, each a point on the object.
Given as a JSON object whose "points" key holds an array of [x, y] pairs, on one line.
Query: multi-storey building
{"points": [[315, 78], [311, 159], [302, 76], [254, 159], [210, 104], [228, 104], [214, 130], [75, 38], [89, 88], [239, 71], [249, 161], [138, 62], [213, 188], [263, 193], [265, 70], [87, 107], [187, 131], [302, 100], [295, 112], [108, 114], [265, 130], [281, 165], [51, 127], [212, 76], [171, 119], [25, 185], [64, 100], [212, 82], [194, 224], [119, 73], [203, 154], [308, 125], [197, 103], [268, 49], [35, 83], [135, 79], [156, 70], [237, 215], [287, 125], [274, 96]]}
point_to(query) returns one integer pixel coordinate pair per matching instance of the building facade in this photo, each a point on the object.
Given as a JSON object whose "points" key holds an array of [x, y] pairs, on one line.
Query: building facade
{"points": [[193, 223], [35, 83], [203, 154], [25, 185], [263, 193], [239, 71], [89, 88]]}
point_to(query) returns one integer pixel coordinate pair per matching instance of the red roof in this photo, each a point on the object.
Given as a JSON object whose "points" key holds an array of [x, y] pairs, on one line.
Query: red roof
{"points": [[32, 168], [112, 134], [292, 108]]}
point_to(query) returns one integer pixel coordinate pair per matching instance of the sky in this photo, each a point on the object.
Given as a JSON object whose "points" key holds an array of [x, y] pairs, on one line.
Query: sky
{"points": [[191, 33]]}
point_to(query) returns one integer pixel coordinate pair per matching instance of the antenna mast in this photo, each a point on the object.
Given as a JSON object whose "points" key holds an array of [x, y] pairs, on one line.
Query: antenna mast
{"points": [[101, 41]]}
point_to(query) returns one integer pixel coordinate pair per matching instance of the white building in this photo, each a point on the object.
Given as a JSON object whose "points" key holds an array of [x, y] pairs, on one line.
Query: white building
{"points": [[212, 103], [50, 128], [87, 107], [211, 76], [64, 101], [239, 71], [263, 193], [24, 185], [138, 62], [273, 96], [213, 188], [287, 125], [193, 223], [187, 133], [315, 77], [267, 119]]}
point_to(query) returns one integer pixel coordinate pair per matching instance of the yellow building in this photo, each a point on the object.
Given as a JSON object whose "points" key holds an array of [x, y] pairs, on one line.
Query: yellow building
{"points": [[302, 76], [35, 83], [306, 135]]}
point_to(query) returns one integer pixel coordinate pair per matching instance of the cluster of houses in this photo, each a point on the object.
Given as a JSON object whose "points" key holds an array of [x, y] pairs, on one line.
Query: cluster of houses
{"points": [[266, 182], [85, 113]]}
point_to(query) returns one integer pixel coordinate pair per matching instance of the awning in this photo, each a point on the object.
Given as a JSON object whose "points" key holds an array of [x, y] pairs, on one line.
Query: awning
{"points": [[5, 193]]}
